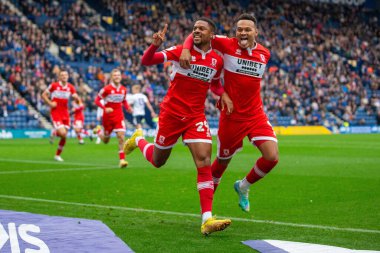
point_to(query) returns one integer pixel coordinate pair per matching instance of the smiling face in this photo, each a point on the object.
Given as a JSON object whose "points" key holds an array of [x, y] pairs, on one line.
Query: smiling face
{"points": [[116, 77], [246, 33], [63, 77], [202, 33]]}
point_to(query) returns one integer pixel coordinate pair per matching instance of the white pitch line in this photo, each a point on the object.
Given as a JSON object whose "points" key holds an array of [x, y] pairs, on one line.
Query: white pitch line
{"points": [[51, 162], [54, 170], [289, 224]]}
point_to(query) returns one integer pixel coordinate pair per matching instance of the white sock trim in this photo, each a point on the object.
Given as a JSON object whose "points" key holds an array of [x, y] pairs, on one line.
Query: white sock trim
{"points": [[258, 171], [206, 216], [138, 139], [146, 148], [244, 185]]}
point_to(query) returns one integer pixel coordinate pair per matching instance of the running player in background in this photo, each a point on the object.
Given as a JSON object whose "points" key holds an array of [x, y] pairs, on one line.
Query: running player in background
{"points": [[139, 101], [77, 111], [244, 65], [59, 93], [114, 96], [182, 112], [99, 118]]}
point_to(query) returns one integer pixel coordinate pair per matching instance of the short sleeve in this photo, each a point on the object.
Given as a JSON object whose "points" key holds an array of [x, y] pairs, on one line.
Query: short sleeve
{"points": [[221, 43], [172, 53]]}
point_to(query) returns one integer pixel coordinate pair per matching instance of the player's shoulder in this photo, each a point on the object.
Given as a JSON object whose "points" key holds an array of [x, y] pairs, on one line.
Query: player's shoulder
{"points": [[263, 49], [71, 86], [54, 84], [174, 48]]}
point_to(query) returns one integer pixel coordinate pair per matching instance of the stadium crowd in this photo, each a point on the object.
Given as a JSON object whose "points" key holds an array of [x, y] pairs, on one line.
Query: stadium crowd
{"points": [[323, 70]]}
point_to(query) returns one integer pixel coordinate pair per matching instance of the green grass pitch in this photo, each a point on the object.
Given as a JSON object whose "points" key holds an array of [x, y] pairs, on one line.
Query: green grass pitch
{"points": [[325, 189]]}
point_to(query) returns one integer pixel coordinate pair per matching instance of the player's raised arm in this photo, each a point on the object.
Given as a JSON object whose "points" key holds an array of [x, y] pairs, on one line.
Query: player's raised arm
{"points": [[185, 58], [150, 56]]}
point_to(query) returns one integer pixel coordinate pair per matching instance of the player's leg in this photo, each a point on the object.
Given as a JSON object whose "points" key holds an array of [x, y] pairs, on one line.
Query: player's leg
{"points": [[78, 131], [198, 138], [156, 154], [104, 133], [201, 153], [61, 132], [263, 136], [168, 131], [263, 165], [120, 137], [230, 141]]}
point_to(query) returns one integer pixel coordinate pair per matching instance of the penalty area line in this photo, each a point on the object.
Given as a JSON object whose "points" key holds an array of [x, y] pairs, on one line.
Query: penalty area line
{"points": [[289, 224]]}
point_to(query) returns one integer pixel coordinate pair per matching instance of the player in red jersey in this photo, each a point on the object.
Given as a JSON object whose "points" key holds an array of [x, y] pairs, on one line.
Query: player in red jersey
{"points": [[182, 112], [244, 65], [60, 92], [77, 111], [114, 96]]}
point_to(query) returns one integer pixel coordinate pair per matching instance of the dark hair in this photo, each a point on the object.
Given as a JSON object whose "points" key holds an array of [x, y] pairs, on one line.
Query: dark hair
{"points": [[209, 21], [246, 16]]}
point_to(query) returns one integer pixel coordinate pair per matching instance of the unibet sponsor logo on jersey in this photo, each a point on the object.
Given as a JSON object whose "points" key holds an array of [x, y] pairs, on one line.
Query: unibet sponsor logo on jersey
{"points": [[15, 234], [115, 98], [61, 94], [201, 72], [244, 66]]}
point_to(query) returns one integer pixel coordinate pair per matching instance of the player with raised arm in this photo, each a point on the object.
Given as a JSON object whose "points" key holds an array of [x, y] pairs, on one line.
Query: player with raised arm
{"points": [[139, 100], [60, 93], [245, 61], [182, 112], [114, 96]]}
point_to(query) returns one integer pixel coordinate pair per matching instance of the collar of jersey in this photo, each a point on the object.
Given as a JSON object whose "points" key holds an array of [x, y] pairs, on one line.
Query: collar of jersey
{"points": [[60, 83], [201, 51]]}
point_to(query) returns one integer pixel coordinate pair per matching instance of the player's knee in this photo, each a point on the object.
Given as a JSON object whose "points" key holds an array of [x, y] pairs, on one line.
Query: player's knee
{"points": [[203, 161]]}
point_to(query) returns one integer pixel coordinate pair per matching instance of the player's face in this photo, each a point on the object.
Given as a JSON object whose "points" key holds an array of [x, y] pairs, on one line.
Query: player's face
{"points": [[63, 76], [201, 33], [116, 77], [246, 33]]}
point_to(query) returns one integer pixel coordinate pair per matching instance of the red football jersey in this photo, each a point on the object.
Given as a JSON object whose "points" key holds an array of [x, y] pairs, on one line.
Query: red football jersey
{"points": [[188, 89], [243, 71], [61, 94], [113, 97], [78, 112]]}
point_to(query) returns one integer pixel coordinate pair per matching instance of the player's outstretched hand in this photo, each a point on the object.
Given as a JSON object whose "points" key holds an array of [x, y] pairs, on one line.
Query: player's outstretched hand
{"points": [[226, 103], [159, 36], [185, 58]]}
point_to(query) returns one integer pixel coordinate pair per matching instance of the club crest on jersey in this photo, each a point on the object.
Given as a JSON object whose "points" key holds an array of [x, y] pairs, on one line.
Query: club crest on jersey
{"points": [[238, 51], [226, 151], [161, 139], [213, 62], [262, 58], [112, 91], [193, 58]]}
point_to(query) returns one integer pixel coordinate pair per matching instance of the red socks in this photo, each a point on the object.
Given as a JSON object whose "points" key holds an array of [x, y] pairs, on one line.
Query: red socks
{"points": [[121, 155], [147, 150], [261, 168], [61, 144], [205, 188], [217, 172]]}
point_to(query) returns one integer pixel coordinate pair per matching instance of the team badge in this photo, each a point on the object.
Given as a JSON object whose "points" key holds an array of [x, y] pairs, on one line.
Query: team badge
{"points": [[193, 58], [262, 58], [161, 139], [238, 51], [112, 91], [226, 151], [213, 62]]}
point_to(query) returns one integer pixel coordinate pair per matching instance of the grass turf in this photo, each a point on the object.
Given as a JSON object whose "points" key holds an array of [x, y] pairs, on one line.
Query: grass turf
{"points": [[331, 181]]}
